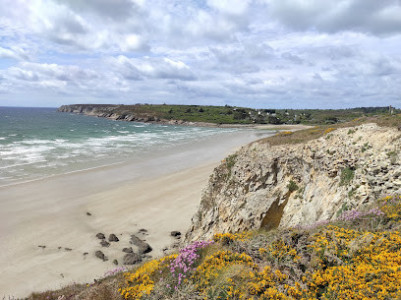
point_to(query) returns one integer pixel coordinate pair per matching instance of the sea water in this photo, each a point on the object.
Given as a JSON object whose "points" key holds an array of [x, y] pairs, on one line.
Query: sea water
{"points": [[41, 142]]}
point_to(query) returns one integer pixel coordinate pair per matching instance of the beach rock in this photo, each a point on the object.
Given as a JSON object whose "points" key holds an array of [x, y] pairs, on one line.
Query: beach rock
{"points": [[67, 249], [131, 259], [100, 236], [88, 213], [113, 238], [128, 250], [143, 247], [42, 246], [143, 231], [104, 243], [100, 254], [115, 262], [175, 234]]}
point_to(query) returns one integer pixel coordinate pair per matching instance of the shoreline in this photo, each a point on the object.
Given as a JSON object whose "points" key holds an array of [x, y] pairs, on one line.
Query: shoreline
{"points": [[131, 118], [46, 230]]}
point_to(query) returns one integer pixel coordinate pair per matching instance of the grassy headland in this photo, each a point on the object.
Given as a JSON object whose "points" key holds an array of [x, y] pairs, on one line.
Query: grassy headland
{"points": [[230, 114]]}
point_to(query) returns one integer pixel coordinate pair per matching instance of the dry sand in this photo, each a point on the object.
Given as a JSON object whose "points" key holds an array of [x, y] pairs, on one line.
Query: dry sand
{"points": [[159, 194]]}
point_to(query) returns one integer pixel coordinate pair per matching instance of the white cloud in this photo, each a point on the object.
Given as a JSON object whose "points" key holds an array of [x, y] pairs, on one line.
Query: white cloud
{"points": [[231, 7], [370, 16], [151, 68], [283, 53], [14, 52]]}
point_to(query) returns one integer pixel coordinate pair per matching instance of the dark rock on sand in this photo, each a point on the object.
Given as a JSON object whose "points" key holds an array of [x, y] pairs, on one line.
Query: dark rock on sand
{"points": [[128, 250], [104, 243], [175, 234], [115, 262], [100, 254], [67, 249], [131, 259], [88, 213], [143, 247], [143, 231], [100, 236], [113, 238]]}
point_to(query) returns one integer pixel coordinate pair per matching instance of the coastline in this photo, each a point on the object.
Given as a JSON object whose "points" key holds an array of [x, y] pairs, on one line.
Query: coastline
{"points": [[93, 112], [159, 194]]}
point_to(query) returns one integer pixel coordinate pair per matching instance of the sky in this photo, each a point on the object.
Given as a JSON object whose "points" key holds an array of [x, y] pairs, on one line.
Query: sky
{"points": [[252, 53]]}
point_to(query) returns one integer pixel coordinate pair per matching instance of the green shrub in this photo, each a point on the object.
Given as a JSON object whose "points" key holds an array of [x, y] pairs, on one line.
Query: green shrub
{"points": [[365, 147], [347, 175], [292, 186], [230, 162]]}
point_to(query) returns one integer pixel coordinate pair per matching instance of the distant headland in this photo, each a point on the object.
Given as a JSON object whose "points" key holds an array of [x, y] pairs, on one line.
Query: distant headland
{"points": [[223, 115]]}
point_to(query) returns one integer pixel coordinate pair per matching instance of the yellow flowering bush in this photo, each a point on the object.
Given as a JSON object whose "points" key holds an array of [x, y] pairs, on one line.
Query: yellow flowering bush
{"points": [[346, 259], [328, 130], [368, 265], [391, 206], [213, 266], [280, 251], [284, 133], [228, 238], [140, 283]]}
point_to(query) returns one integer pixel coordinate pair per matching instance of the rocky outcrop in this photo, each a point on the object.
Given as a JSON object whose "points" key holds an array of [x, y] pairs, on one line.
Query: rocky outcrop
{"points": [[116, 112], [131, 259], [263, 186], [113, 238], [143, 247], [126, 113]]}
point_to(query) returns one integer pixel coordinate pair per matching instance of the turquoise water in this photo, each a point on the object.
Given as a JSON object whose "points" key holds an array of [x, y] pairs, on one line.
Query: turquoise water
{"points": [[41, 142]]}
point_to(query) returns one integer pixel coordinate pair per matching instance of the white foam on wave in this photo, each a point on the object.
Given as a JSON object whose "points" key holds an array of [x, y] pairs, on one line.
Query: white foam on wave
{"points": [[39, 157], [22, 164]]}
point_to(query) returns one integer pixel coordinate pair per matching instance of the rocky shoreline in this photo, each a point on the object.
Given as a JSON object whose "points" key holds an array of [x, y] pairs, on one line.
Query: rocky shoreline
{"points": [[108, 111]]}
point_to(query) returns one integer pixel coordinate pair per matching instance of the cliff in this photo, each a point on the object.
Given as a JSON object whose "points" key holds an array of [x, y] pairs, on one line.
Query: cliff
{"points": [[264, 186], [215, 115], [160, 114], [114, 112]]}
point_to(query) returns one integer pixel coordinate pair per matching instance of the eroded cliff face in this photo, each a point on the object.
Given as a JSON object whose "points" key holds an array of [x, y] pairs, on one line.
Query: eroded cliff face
{"points": [[288, 185], [119, 112], [104, 111]]}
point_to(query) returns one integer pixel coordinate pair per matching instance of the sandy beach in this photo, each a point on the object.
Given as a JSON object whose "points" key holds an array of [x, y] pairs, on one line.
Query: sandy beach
{"points": [[48, 239]]}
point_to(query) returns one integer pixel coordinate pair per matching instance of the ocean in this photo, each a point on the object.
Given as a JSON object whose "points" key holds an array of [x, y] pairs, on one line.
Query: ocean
{"points": [[37, 143]]}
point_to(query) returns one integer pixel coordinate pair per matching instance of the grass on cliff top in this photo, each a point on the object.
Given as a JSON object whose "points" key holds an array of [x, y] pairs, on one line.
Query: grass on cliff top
{"points": [[301, 136], [191, 113], [358, 256], [241, 115]]}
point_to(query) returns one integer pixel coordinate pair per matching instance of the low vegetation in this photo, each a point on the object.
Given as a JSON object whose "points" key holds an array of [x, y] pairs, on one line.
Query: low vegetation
{"points": [[240, 115], [347, 174], [358, 256], [302, 136]]}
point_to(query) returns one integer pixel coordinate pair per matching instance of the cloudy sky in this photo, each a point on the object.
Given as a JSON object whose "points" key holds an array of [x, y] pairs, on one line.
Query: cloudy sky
{"points": [[255, 53]]}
